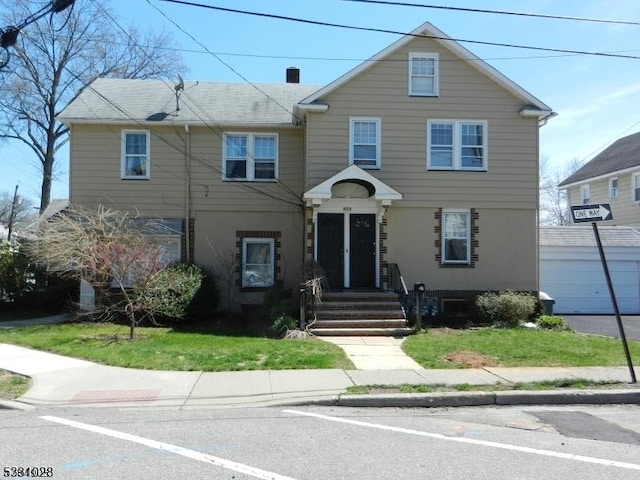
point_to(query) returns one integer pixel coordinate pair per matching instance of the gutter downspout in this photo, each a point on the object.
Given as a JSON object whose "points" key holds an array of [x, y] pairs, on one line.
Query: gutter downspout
{"points": [[187, 194]]}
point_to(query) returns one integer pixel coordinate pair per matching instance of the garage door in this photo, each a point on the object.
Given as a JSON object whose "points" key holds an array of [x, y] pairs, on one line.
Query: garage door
{"points": [[579, 286]]}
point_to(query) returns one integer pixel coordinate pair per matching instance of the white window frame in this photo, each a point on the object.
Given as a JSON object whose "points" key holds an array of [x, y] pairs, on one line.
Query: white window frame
{"points": [[635, 187], [246, 281], [457, 144], [250, 157], [614, 189], [585, 194], [124, 155], [436, 84], [378, 143], [467, 237]]}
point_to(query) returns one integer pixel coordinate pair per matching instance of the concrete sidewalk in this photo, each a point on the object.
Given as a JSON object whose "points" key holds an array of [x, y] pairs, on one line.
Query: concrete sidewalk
{"points": [[63, 381]]}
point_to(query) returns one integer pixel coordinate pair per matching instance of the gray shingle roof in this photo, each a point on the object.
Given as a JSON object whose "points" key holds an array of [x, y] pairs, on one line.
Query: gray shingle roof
{"points": [[621, 155], [583, 236], [201, 103]]}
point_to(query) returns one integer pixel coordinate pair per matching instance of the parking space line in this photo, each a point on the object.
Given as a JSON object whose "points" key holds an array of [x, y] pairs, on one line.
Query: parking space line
{"points": [[167, 447], [484, 443]]}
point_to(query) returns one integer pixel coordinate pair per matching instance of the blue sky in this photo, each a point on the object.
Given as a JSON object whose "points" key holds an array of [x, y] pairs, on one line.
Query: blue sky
{"points": [[597, 98]]}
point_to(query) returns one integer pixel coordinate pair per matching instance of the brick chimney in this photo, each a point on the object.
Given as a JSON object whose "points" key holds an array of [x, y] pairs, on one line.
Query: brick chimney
{"points": [[293, 75]]}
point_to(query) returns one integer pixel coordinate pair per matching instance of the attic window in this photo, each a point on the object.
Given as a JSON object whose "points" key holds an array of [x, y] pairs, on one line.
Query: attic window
{"points": [[423, 74]]}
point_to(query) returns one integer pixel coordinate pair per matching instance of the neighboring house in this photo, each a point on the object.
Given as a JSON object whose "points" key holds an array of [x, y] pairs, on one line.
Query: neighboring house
{"points": [[612, 176], [571, 270], [423, 157]]}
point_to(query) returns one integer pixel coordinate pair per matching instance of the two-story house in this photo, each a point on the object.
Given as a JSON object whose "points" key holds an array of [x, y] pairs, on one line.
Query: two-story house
{"points": [[423, 159], [613, 177]]}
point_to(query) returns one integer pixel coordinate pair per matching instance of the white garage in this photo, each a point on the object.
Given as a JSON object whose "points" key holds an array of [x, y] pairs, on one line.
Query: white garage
{"points": [[571, 271]]}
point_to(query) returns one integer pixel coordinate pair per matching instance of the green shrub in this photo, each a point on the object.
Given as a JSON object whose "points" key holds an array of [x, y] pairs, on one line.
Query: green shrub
{"points": [[281, 325], [16, 275], [277, 301], [552, 322], [206, 299], [54, 294], [505, 309], [176, 291]]}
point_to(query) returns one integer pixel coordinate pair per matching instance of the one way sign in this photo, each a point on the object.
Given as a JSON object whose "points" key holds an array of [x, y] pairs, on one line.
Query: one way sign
{"points": [[591, 213]]}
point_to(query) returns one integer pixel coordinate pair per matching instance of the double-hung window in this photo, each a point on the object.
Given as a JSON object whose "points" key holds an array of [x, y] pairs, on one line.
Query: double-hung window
{"points": [[456, 145], [250, 156], [456, 236], [635, 187], [258, 262], [423, 74], [135, 155], [585, 194], [364, 142], [613, 187]]}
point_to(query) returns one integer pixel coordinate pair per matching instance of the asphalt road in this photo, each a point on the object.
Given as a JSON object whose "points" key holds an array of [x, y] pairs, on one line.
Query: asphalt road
{"points": [[605, 325], [320, 443]]}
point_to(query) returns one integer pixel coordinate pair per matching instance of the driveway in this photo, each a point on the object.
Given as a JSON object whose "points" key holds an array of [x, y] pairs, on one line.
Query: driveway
{"points": [[605, 325]]}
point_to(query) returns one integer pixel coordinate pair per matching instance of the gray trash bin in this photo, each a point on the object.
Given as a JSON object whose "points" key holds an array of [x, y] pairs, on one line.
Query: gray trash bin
{"points": [[548, 303]]}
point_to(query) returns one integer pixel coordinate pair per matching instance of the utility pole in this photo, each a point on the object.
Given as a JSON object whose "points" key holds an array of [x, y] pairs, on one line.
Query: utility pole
{"points": [[9, 34], [12, 214]]}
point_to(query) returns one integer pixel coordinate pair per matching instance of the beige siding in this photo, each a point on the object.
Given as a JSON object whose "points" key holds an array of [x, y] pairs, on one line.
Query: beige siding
{"points": [[95, 173], [625, 210], [506, 250], [465, 94], [216, 245]]}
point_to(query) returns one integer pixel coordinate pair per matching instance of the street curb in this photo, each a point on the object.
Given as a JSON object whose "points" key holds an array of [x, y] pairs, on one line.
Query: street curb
{"points": [[474, 399], [560, 397], [13, 405], [429, 400]]}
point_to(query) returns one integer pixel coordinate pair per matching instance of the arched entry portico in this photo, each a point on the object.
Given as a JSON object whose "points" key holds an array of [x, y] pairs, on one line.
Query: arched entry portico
{"points": [[344, 226]]}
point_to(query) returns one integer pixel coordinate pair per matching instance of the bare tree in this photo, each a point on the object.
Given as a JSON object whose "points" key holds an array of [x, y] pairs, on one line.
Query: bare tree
{"points": [[56, 57], [227, 267], [107, 248], [22, 210], [554, 209]]}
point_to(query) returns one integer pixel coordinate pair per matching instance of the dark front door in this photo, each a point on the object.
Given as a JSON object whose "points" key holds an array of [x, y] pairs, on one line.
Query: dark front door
{"points": [[331, 247], [362, 250]]}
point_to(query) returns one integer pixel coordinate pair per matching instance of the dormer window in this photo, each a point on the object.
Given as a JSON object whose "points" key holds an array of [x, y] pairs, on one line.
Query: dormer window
{"points": [[423, 74]]}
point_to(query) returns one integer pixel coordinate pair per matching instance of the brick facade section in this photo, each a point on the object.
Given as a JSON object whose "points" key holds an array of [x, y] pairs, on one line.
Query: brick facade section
{"points": [[277, 244], [475, 230]]}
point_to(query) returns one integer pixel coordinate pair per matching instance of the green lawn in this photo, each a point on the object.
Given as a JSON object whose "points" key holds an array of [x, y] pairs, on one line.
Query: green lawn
{"points": [[166, 349], [517, 348], [12, 386]]}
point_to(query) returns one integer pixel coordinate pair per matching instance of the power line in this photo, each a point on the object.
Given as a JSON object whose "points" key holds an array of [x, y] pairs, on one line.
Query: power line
{"points": [[335, 59], [498, 12], [396, 32], [204, 121], [224, 63]]}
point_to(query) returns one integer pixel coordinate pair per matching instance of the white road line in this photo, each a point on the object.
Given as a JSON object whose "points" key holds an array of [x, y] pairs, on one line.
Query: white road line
{"points": [[167, 447], [504, 446]]}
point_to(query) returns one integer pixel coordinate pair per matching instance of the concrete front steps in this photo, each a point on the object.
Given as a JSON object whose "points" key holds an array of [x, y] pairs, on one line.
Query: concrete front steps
{"points": [[360, 313]]}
